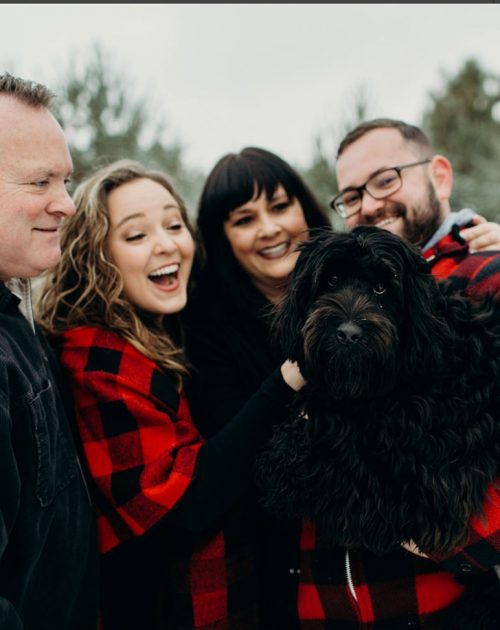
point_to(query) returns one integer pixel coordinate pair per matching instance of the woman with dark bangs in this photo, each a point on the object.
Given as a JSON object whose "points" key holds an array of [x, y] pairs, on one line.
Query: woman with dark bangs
{"points": [[254, 211]]}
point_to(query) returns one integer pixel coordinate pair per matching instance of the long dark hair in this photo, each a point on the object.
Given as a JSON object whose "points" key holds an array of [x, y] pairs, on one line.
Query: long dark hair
{"points": [[236, 179]]}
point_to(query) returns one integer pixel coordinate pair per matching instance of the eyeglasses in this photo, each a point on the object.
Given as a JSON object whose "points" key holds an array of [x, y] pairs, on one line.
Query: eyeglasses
{"points": [[384, 183]]}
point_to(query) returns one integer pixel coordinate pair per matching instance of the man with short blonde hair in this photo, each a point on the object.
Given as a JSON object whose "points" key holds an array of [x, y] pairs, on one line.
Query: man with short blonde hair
{"points": [[48, 554]]}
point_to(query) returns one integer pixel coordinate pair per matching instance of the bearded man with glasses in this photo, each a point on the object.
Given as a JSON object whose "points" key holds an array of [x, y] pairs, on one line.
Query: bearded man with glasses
{"points": [[389, 177]]}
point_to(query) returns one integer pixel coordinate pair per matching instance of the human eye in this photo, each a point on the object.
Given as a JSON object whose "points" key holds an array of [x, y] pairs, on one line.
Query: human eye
{"points": [[43, 183], [350, 198], [175, 226], [385, 179], [280, 207], [241, 221], [137, 236]]}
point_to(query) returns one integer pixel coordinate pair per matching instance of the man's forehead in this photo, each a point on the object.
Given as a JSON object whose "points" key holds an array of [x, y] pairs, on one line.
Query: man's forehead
{"points": [[32, 144], [375, 150]]}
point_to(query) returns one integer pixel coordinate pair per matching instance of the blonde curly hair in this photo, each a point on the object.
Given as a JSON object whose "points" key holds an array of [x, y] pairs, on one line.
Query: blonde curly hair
{"points": [[86, 287]]}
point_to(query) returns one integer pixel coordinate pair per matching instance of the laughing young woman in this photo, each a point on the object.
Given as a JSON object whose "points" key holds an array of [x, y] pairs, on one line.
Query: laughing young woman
{"points": [[161, 492]]}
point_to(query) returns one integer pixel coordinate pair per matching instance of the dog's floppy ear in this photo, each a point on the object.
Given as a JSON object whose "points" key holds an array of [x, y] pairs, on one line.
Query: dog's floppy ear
{"points": [[423, 316], [426, 326], [289, 314]]}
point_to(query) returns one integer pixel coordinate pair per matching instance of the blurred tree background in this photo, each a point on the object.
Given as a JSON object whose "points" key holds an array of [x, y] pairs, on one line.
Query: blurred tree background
{"points": [[463, 123], [105, 121]]}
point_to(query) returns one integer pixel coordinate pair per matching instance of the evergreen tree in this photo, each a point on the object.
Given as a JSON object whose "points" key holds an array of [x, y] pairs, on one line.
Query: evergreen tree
{"points": [[103, 122], [461, 124], [320, 175]]}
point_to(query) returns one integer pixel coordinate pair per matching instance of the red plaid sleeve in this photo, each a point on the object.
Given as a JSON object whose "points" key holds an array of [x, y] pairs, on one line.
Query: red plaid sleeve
{"points": [[483, 548], [138, 439], [476, 274]]}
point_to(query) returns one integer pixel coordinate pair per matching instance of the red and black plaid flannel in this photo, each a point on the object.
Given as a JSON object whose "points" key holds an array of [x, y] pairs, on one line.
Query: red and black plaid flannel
{"points": [[358, 589], [477, 273], [140, 447], [361, 590]]}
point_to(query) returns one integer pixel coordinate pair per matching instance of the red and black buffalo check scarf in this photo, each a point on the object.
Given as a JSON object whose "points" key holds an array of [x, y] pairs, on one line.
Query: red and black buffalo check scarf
{"points": [[140, 447]]}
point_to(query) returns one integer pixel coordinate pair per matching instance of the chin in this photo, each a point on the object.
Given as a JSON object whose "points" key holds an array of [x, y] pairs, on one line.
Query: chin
{"points": [[174, 305]]}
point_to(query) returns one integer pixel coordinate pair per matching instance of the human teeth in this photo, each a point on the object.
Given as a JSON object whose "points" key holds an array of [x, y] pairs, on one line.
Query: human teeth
{"points": [[275, 251], [385, 222], [164, 271]]}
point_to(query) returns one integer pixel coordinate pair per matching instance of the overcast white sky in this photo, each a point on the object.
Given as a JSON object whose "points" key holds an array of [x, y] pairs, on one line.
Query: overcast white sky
{"points": [[275, 75]]}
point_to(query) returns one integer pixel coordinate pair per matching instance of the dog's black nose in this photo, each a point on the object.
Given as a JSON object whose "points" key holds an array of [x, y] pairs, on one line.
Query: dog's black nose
{"points": [[349, 332]]}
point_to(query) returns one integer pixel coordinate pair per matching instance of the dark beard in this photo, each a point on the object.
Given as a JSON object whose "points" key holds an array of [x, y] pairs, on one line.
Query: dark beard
{"points": [[426, 219]]}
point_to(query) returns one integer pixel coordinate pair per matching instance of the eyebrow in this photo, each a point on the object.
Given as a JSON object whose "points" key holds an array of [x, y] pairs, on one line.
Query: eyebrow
{"points": [[137, 215], [43, 173], [275, 197], [376, 172]]}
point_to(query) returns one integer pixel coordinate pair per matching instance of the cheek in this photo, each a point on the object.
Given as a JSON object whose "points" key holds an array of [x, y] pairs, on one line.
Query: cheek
{"points": [[353, 221], [188, 251], [241, 244], [115, 254], [129, 260], [296, 222]]}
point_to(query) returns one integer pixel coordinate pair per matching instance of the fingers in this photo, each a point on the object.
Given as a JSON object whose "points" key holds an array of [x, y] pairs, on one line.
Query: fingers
{"points": [[412, 548], [483, 236], [477, 219], [292, 375]]}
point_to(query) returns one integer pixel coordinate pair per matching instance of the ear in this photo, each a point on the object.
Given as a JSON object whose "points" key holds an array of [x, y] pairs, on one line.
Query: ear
{"points": [[427, 329], [441, 173]]}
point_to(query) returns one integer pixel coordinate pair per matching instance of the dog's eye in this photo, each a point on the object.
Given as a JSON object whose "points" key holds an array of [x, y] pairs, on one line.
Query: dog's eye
{"points": [[333, 281], [379, 289]]}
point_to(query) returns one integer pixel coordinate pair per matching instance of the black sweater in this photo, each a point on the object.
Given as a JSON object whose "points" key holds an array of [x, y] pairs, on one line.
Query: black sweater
{"points": [[231, 350]]}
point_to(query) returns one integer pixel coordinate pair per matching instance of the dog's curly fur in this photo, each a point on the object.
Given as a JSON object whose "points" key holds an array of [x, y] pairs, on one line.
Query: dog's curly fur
{"points": [[398, 435]]}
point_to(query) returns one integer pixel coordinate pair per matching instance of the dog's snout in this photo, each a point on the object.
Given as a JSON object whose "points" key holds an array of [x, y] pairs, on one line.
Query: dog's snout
{"points": [[349, 332]]}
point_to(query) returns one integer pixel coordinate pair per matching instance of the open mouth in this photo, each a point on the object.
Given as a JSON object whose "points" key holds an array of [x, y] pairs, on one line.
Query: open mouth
{"points": [[276, 251], [388, 218], [166, 277], [386, 221]]}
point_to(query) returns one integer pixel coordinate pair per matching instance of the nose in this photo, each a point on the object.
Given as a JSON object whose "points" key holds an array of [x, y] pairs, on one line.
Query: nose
{"points": [[369, 205], [164, 242], [62, 203], [349, 332], [268, 226]]}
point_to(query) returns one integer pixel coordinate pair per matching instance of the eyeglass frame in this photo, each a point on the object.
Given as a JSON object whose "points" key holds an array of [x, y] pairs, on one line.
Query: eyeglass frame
{"points": [[360, 189]]}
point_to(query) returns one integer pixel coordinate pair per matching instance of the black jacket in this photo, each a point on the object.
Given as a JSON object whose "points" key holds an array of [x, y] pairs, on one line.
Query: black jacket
{"points": [[48, 552]]}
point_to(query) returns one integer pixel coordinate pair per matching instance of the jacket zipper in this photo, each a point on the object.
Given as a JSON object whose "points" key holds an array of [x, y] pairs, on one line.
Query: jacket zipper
{"points": [[350, 583]]}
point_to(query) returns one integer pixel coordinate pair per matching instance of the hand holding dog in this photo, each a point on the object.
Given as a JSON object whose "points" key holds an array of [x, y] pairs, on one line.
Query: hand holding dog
{"points": [[412, 548], [292, 375]]}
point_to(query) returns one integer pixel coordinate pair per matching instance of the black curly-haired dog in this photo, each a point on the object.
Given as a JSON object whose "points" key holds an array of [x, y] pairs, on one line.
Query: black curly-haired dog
{"points": [[398, 436]]}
